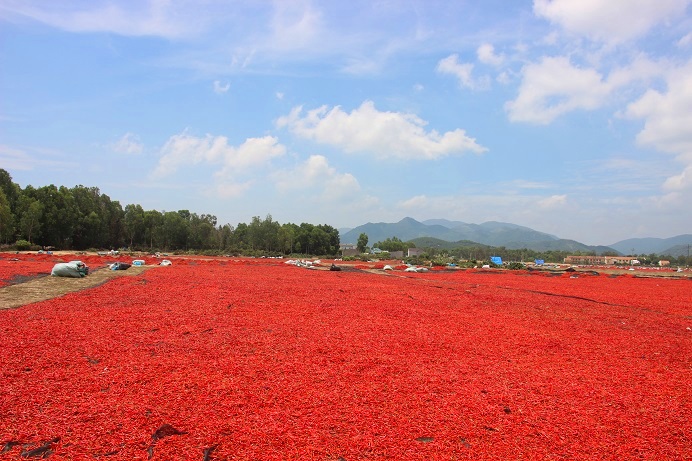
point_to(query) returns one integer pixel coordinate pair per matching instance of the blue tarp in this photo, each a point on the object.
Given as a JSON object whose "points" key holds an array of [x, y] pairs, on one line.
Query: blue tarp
{"points": [[496, 260], [539, 262]]}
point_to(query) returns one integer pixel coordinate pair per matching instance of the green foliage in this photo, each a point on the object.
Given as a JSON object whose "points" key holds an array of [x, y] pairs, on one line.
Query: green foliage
{"points": [[362, 243], [515, 266], [394, 244], [6, 219], [22, 245], [418, 260]]}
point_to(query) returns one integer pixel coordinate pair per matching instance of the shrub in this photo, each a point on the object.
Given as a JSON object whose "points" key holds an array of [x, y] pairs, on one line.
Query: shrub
{"points": [[22, 245], [515, 266]]}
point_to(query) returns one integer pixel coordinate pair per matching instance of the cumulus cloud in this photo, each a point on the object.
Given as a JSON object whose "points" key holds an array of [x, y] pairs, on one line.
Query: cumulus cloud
{"points": [[128, 144], [383, 134], [682, 181], [612, 21], [667, 114], [186, 149], [554, 86], [667, 123], [462, 71], [486, 55], [316, 173], [220, 88]]}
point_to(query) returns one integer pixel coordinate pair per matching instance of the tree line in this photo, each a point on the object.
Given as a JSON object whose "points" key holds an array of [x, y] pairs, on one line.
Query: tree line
{"points": [[81, 218], [479, 252]]}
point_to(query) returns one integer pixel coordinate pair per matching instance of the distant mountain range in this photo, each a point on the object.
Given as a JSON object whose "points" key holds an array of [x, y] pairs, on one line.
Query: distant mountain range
{"points": [[673, 246], [497, 234]]}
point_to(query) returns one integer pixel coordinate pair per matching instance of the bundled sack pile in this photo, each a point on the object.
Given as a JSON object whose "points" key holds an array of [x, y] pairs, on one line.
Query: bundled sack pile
{"points": [[75, 269], [119, 266]]}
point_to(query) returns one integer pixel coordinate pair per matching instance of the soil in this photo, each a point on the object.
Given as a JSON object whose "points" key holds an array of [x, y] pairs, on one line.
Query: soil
{"points": [[42, 287]]}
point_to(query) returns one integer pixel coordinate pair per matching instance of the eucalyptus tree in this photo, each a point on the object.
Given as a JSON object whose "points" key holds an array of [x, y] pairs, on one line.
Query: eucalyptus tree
{"points": [[134, 224], [6, 219]]}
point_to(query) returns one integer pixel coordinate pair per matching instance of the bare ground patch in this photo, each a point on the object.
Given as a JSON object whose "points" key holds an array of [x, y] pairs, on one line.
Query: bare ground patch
{"points": [[48, 287]]}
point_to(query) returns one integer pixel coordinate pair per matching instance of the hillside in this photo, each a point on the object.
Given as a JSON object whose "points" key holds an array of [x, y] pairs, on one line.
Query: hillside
{"points": [[654, 245], [677, 251], [490, 233]]}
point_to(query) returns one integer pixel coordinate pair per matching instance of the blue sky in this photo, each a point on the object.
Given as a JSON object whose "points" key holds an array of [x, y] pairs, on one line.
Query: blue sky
{"points": [[568, 116]]}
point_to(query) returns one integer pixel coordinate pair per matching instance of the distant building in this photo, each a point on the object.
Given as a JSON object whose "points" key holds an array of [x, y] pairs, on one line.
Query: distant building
{"points": [[415, 252], [600, 260], [348, 249]]}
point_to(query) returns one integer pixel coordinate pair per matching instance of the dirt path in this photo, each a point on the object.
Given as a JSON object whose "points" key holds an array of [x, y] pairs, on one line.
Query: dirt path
{"points": [[48, 287]]}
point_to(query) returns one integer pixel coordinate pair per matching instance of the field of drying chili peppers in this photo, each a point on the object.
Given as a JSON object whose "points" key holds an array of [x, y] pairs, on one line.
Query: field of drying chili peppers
{"points": [[259, 360]]}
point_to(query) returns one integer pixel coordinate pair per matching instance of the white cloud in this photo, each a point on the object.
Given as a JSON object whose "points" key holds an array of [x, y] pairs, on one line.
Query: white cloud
{"points": [[685, 41], [229, 189], [153, 17], [414, 203], [462, 71], [253, 152], [668, 119], [220, 88], [503, 78], [185, 149], [128, 144], [383, 134], [640, 69], [295, 25], [611, 21], [667, 114], [553, 87], [15, 159], [554, 201], [682, 181], [486, 55], [316, 173], [525, 184]]}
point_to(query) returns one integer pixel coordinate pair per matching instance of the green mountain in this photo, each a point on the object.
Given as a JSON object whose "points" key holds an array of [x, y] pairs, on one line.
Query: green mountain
{"points": [[651, 245], [677, 251], [492, 233]]}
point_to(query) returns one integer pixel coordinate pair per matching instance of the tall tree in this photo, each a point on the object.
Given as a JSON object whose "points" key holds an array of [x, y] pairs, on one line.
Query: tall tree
{"points": [[6, 219], [88, 229], [175, 230], [113, 221], [225, 234], [30, 221], [133, 224], [286, 237], [362, 242], [153, 220], [11, 190]]}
